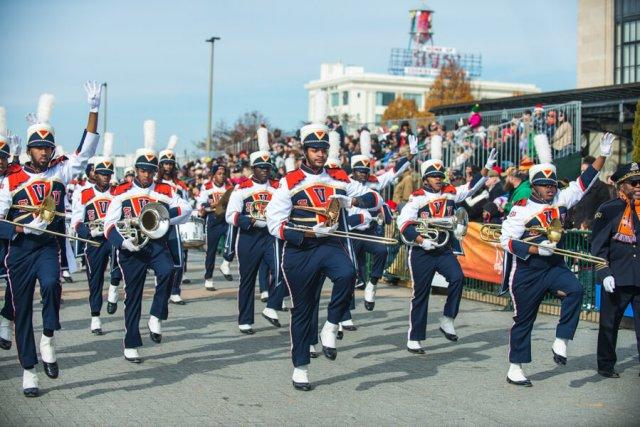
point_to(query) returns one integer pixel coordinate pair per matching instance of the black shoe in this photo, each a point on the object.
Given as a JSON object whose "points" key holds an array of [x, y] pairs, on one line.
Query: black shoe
{"points": [[274, 322], [247, 331], [51, 369], [156, 338], [340, 335], [609, 374], [302, 386], [227, 277], [313, 354], [133, 359], [450, 337], [330, 353], [186, 281], [416, 350], [31, 392], [97, 331], [112, 307], [560, 360], [369, 305], [5, 344], [264, 299], [360, 286], [525, 383], [350, 328]]}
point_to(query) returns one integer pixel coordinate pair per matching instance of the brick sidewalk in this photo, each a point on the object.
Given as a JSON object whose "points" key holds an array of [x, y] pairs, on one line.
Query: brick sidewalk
{"points": [[205, 372]]}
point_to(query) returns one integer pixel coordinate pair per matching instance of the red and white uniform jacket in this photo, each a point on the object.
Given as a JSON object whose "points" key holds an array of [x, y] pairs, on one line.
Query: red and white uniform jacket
{"points": [[242, 197], [209, 196], [90, 205]]}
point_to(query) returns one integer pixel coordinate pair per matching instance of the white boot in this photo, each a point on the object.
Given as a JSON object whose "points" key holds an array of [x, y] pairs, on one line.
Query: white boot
{"points": [[415, 346], [312, 349], [6, 329], [224, 268], [246, 329], [446, 327], [155, 325], [47, 350], [347, 323], [559, 349], [96, 324], [112, 296], [370, 292], [131, 354], [176, 299], [264, 296], [30, 382], [301, 374], [270, 313], [208, 285], [516, 375], [328, 335]]}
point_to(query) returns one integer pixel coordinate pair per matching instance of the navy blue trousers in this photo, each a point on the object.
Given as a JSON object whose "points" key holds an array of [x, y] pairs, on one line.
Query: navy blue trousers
{"points": [[528, 286], [305, 269], [254, 247], [378, 254], [97, 259], [230, 243], [134, 267], [423, 265], [27, 262], [214, 233], [263, 277], [116, 274]]}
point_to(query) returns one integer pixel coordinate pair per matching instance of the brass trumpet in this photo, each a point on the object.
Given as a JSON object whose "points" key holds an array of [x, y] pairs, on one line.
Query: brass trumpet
{"points": [[491, 233], [258, 209], [433, 228]]}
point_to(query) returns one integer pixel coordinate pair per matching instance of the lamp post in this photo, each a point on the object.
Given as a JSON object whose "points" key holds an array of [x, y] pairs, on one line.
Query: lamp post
{"points": [[212, 40]]}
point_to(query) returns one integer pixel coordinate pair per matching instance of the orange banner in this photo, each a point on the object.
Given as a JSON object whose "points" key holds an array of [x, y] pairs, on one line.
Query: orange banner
{"points": [[481, 260]]}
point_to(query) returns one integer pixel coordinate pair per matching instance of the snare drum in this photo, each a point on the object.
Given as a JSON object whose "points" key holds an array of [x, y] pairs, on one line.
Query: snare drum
{"points": [[192, 233]]}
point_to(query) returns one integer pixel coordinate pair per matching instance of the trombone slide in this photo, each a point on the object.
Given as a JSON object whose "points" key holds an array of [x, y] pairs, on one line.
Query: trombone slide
{"points": [[54, 233]]}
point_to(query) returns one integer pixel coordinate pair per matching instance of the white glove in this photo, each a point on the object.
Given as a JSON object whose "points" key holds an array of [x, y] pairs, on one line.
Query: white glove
{"points": [[95, 232], [93, 90], [427, 245], [14, 144], [413, 144], [32, 119], [321, 230], [609, 284], [606, 144], [546, 248], [128, 245], [36, 226], [345, 201], [260, 223], [492, 159]]}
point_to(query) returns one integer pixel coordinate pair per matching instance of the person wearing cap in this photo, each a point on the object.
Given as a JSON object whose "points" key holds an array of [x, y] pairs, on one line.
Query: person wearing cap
{"points": [[311, 253], [33, 254], [616, 238], [134, 260], [254, 243], [517, 184], [211, 194], [536, 270], [91, 207], [167, 174], [435, 200]]}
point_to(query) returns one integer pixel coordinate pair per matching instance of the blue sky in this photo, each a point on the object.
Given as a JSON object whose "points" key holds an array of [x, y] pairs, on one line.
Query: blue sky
{"points": [[155, 60]]}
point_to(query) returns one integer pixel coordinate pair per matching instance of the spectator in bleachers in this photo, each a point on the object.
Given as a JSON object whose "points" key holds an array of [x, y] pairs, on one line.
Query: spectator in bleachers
{"points": [[562, 141], [517, 185]]}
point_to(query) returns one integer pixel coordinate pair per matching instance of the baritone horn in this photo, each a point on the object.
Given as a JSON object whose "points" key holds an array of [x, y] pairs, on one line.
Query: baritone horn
{"points": [[258, 210], [152, 223], [433, 228], [491, 233]]}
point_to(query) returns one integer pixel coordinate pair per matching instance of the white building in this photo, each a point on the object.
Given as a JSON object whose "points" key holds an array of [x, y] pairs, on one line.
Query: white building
{"points": [[365, 96]]}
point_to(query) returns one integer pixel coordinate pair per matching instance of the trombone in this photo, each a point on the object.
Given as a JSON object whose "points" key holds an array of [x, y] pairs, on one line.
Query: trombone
{"points": [[491, 233], [432, 228]]}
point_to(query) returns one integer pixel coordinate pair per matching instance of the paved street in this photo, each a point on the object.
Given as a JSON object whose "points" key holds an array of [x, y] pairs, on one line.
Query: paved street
{"points": [[205, 372]]}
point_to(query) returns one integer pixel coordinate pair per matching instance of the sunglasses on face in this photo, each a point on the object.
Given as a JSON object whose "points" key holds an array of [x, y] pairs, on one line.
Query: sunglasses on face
{"points": [[634, 183]]}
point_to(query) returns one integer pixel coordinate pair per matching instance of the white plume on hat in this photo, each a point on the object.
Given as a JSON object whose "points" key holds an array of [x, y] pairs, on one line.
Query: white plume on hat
{"points": [[149, 128], [541, 143], [45, 107], [321, 106], [263, 138], [173, 141], [334, 145], [107, 146], [365, 143], [3, 122], [289, 164], [436, 147]]}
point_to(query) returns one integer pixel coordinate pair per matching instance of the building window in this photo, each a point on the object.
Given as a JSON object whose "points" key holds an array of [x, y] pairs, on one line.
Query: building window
{"points": [[378, 119], [627, 42], [335, 99], [385, 98], [345, 98], [415, 97]]}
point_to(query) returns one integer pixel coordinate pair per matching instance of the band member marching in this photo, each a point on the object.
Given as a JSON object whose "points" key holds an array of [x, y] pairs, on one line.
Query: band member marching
{"points": [[254, 243], [167, 172], [209, 207], [133, 258], [89, 210], [535, 270], [434, 200], [309, 254], [33, 195], [615, 236]]}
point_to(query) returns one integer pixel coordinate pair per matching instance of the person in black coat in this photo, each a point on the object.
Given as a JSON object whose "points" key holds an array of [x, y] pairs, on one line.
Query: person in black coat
{"points": [[586, 208], [615, 237]]}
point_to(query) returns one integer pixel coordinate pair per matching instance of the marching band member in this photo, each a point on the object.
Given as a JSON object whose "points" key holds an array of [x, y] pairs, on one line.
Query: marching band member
{"points": [[535, 270], [615, 236], [434, 200], [134, 260], [167, 174], [310, 256], [32, 253], [89, 210], [211, 193], [361, 172], [254, 243]]}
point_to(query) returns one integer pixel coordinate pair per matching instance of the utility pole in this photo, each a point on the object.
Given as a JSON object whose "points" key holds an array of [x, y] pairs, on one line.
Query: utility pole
{"points": [[212, 40]]}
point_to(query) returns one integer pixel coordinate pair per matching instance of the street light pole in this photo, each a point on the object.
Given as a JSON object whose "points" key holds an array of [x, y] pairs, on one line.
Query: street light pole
{"points": [[212, 40]]}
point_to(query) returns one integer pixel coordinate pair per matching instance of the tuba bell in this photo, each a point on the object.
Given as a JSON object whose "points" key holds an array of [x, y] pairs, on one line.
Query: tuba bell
{"points": [[439, 230]]}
